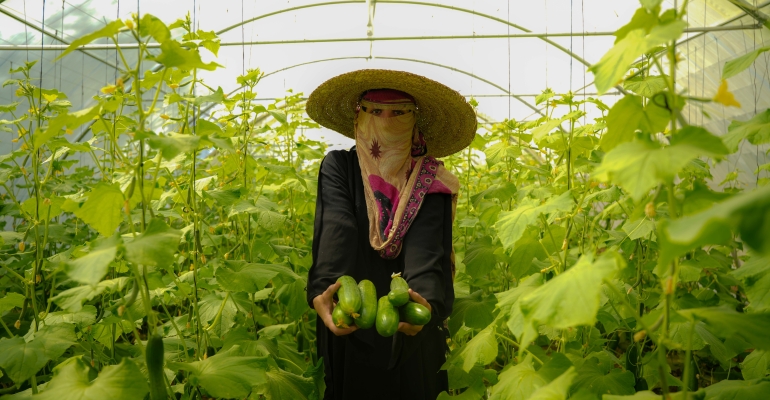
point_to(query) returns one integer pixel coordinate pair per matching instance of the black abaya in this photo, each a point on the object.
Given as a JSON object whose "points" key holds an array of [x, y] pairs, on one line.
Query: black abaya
{"points": [[364, 364]]}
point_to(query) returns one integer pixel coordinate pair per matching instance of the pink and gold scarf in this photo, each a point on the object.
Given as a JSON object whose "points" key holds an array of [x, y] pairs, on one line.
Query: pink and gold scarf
{"points": [[396, 172]]}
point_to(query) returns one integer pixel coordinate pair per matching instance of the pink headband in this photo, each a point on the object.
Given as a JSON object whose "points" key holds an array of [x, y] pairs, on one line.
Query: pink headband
{"points": [[388, 96]]}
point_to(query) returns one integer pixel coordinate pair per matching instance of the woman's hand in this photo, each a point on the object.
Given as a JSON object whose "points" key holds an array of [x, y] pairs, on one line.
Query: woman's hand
{"points": [[324, 305], [410, 329]]}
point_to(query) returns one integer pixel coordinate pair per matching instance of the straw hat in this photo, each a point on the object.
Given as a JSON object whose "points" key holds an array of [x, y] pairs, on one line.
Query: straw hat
{"points": [[446, 120]]}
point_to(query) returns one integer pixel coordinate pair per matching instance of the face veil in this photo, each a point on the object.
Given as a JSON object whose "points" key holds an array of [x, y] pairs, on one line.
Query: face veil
{"points": [[395, 170]]}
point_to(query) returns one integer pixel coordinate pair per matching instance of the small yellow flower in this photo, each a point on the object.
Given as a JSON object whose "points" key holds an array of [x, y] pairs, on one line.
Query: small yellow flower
{"points": [[15, 140], [109, 89], [50, 97], [129, 24], [68, 131], [24, 146], [19, 92], [173, 85], [724, 97], [119, 83], [164, 116]]}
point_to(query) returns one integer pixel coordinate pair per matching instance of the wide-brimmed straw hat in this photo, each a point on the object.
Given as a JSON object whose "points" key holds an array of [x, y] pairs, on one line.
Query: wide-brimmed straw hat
{"points": [[446, 120]]}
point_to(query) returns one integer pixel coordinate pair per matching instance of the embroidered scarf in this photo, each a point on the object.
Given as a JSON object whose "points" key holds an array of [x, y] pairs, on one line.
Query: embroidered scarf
{"points": [[396, 172]]}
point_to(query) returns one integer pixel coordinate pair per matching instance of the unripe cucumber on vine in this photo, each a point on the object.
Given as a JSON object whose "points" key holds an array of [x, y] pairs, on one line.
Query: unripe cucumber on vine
{"points": [[154, 359], [414, 313], [341, 320], [349, 296], [399, 291], [368, 304], [387, 317]]}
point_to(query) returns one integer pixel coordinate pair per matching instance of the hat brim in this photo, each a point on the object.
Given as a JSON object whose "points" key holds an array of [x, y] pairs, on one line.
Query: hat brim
{"points": [[446, 120]]}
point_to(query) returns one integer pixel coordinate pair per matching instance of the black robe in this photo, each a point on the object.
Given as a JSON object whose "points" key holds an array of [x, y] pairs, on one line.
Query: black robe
{"points": [[365, 364]]}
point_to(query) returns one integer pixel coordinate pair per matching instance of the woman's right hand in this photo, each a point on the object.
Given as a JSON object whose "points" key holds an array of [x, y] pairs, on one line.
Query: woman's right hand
{"points": [[324, 305]]}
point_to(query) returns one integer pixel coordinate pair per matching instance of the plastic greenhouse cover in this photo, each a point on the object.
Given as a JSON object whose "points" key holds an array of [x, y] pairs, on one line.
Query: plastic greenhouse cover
{"points": [[485, 68]]}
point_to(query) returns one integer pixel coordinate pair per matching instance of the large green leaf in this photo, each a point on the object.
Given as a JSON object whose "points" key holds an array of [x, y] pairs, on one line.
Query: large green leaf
{"points": [[103, 208], [174, 55], [156, 246], [609, 71], [72, 299], [285, 385], [640, 166], [480, 257], [737, 65], [511, 224], [756, 389], [592, 377], [10, 301], [756, 131], [110, 30], [91, 268], [21, 359], [518, 382], [474, 310], [728, 323], [152, 26], [756, 365], [558, 389], [481, 350], [572, 298], [239, 276], [508, 303], [747, 213], [622, 121], [115, 382], [646, 86], [227, 374], [172, 145]]}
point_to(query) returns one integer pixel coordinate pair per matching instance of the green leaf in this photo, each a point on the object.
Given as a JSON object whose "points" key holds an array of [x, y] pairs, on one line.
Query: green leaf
{"points": [[639, 228], [696, 137], [10, 301], [227, 374], [474, 310], [572, 298], [174, 55], [72, 381], [156, 246], [725, 322], [646, 86], [650, 5], [91, 268], [756, 389], [509, 302], [21, 359], [481, 350], [518, 381], [204, 127], [172, 145], [217, 97], [593, 378], [110, 30], [756, 131], [622, 121], [511, 224], [285, 385], [72, 299], [640, 166], [480, 257], [756, 365], [737, 65], [152, 26], [103, 208], [609, 71], [745, 213], [557, 389], [239, 276]]}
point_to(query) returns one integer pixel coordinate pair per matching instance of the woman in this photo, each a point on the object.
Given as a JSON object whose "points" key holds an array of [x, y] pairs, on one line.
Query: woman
{"points": [[386, 206]]}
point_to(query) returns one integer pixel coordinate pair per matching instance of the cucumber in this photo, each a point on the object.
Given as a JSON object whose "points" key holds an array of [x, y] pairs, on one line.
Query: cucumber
{"points": [[154, 359], [368, 304], [387, 317], [399, 291], [414, 313], [341, 320], [349, 296]]}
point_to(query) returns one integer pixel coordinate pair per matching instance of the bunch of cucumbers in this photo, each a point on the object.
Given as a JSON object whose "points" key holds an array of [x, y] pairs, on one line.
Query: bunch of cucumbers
{"points": [[358, 304]]}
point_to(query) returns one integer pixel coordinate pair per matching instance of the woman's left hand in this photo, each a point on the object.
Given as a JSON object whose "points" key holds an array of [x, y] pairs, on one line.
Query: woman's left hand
{"points": [[410, 329]]}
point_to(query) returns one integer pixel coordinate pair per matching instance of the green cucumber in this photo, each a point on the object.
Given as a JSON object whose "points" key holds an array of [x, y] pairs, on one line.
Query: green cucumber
{"points": [[368, 304], [154, 359], [341, 320], [349, 296], [399, 291], [387, 317], [414, 313]]}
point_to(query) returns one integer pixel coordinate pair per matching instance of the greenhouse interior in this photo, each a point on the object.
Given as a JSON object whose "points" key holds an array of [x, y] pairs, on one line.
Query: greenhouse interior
{"points": [[596, 172]]}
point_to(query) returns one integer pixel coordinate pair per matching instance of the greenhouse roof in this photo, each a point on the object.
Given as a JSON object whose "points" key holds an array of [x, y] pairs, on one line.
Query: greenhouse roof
{"points": [[503, 53]]}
